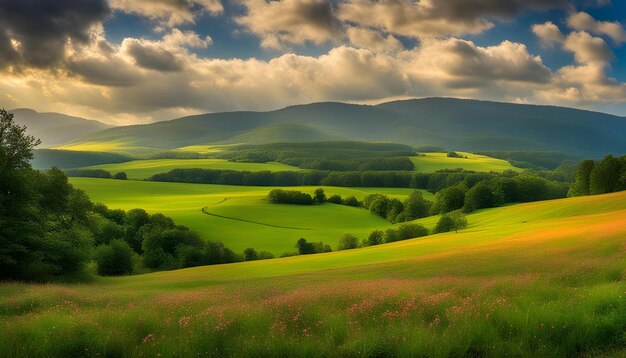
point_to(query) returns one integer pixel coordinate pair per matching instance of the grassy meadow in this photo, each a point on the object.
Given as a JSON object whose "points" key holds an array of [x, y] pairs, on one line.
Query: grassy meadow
{"points": [[538, 279], [245, 218], [431, 162], [143, 169]]}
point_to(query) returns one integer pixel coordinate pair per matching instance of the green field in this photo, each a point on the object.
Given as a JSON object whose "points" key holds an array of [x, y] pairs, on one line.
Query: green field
{"points": [[270, 227], [431, 162], [143, 169], [542, 279]]}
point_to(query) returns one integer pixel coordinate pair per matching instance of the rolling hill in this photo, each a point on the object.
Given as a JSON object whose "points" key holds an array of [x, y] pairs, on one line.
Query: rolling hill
{"points": [[452, 123], [55, 128], [539, 279]]}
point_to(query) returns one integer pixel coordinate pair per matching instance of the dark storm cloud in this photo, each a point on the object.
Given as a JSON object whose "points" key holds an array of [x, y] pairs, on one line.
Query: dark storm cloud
{"points": [[152, 57], [40, 29]]}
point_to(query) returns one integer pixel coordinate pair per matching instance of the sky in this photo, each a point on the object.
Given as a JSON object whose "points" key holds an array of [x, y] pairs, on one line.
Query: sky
{"points": [[140, 61]]}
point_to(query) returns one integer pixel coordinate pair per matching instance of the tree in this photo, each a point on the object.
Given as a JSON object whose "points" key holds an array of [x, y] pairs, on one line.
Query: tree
{"points": [[120, 176], [334, 199], [304, 247], [114, 259], [16, 147], [453, 221], [580, 187], [480, 196], [449, 199], [348, 242], [351, 201], [250, 254], [416, 207], [374, 238], [394, 209], [319, 195], [605, 176]]}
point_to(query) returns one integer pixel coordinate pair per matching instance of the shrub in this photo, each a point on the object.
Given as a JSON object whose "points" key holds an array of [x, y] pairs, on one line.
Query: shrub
{"points": [[334, 199], [454, 155], [348, 242], [374, 238], [351, 201], [114, 259], [250, 254], [319, 195], [120, 176]]}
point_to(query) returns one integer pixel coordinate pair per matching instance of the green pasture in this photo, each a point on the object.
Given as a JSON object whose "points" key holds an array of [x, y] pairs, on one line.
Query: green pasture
{"points": [[538, 279], [251, 220], [143, 169], [431, 162]]}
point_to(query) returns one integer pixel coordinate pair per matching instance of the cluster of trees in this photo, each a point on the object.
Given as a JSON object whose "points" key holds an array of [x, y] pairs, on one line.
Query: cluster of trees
{"points": [[281, 196], [360, 164], [453, 221], [95, 173], [605, 176], [157, 242], [394, 210], [49, 229], [306, 248]]}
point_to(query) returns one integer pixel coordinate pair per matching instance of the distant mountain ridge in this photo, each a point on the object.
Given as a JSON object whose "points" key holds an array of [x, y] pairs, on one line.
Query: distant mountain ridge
{"points": [[452, 123], [55, 128]]}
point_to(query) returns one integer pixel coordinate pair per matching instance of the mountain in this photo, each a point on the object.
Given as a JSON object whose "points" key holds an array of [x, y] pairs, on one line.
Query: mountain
{"points": [[452, 123], [55, 128]]}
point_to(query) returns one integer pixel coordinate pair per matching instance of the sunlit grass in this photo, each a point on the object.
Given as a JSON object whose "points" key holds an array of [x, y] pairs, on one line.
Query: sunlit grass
{"points": [[431, 162], [184, 203], [542, 279]]}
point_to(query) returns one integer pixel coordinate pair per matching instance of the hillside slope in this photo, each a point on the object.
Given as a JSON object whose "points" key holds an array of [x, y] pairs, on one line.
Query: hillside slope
{"points": [[538, 279], [451, 123], [55, 128]]}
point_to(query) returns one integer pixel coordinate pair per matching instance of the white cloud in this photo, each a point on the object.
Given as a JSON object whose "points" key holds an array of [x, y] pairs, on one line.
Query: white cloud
{"points": [[373, 40], [548, 33], [582, 21], [588, 49], [283, 22], [427, 18]]}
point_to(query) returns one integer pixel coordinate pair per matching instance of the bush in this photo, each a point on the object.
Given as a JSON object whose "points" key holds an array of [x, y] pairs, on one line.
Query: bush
{"points": [[319, 195], [351, 201], [250, 254], [348, 242], [334, 199], [120, 176], [454, 155], [376, 237], [114, 259]]}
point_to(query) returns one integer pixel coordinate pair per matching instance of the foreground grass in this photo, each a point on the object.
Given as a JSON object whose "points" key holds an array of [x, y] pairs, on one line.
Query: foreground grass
{"points": [[432, 162], [540, 279], [184, 203], [143, 169]]}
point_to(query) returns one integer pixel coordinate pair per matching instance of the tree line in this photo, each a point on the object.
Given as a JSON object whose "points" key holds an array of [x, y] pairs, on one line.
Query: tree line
{"points": [[600, 177]]}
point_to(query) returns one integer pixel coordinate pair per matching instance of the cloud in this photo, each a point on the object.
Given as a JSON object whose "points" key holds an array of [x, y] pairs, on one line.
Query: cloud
{"points": [[548, 33], [373, 40], [114, 84], [428, 18], [36, 34], [169, 12], [588, 49], [166, 55], [283, 22], [582, 21]]}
